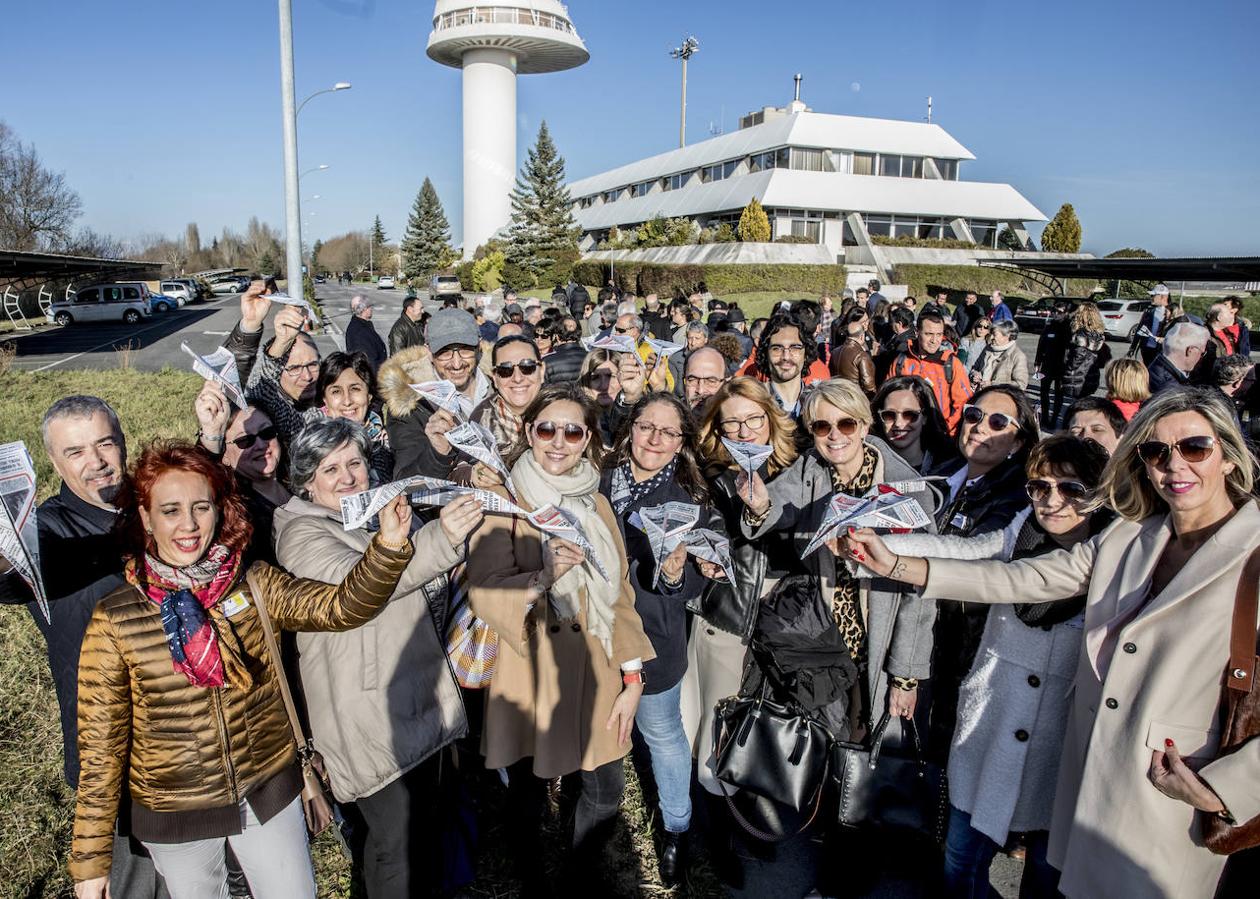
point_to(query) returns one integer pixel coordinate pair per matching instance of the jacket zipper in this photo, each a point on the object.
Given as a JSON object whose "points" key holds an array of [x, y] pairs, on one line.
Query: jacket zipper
{"points": [[216, 700]]}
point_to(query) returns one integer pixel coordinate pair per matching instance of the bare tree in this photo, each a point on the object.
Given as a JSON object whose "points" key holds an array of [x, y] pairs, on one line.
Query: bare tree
{"points": [[192, 238], [87, 242], [37, 208]]}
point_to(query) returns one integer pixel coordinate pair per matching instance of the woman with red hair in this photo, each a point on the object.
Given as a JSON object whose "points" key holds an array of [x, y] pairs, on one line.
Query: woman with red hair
{"points": [[179, 695]]}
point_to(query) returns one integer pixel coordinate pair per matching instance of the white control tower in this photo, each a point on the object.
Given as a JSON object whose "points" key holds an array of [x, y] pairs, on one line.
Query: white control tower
{"points": [[493, 44]]}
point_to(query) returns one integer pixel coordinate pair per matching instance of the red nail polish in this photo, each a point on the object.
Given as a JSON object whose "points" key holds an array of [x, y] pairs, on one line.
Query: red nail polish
{"points": [[1168, 743]]}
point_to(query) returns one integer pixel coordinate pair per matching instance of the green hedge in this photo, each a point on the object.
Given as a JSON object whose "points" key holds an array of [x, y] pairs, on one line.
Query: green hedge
{"points": [[924, 280], [649, 277]]}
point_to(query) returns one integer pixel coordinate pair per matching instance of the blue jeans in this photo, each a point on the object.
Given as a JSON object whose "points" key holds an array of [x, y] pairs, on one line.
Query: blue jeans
{"points": [[659, 721], [968, 854]]}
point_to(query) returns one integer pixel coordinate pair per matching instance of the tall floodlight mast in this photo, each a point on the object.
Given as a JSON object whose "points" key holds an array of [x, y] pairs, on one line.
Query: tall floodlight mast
{"points": [[494, 44], [685, 52]]}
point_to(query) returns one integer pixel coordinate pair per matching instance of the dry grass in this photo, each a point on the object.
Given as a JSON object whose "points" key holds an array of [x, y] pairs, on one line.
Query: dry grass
{"points": [[8, 352]]}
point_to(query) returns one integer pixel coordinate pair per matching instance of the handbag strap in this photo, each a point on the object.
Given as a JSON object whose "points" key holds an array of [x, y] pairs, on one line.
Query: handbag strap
{"points": [[269, 637], [765, 836], [877, 739], [1242, 633]]}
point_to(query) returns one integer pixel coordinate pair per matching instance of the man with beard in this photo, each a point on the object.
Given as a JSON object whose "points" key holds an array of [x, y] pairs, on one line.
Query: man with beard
{"points": [[417, 432], [786, 358], [81, 564], [926, 357]]}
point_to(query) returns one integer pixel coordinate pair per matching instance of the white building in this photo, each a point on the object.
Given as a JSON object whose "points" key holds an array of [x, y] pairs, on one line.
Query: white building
{"points": [[836, 179]]}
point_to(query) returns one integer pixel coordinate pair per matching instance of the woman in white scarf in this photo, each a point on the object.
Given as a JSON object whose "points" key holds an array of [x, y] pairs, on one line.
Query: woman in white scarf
{"points": [[568, 674]]}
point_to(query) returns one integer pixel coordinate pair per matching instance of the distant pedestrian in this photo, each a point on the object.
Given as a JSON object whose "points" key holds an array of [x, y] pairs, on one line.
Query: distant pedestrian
{"points": [[967, 313], [1151, 326], [873, 295], [361, 336], [999, 311], [408, 331], [1049, 362]]}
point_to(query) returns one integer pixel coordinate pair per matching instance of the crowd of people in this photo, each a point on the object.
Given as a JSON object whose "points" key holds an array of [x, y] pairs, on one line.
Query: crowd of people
{"points": [[1058, 629]]}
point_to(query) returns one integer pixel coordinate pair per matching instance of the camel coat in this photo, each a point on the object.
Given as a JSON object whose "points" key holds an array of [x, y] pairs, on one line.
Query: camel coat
{"points": [[1148, 671], [554, 686]]}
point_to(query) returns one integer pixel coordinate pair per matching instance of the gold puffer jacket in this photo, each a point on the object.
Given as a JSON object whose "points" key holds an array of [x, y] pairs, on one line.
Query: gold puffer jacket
{"points": [[187, 749]]}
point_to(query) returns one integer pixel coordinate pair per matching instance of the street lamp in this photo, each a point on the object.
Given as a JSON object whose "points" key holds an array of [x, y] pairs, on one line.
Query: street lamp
{"points": [[339, 86], [685, 52], [318, 168]]}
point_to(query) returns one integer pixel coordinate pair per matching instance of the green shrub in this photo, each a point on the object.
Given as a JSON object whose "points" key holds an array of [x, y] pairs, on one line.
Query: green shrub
{"points": [[924, 280], [794, 238], [905, 240], [646, 277]]}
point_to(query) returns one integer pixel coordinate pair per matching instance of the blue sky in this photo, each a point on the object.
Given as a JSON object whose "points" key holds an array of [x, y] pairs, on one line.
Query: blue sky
{"points": [[161, 112]]}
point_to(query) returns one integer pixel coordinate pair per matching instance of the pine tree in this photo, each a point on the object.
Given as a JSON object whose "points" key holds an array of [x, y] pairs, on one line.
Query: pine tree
{"points": [[315, 248], [426, 243], [378, 233], [542, 237], [1063, 233], [754, 226], [1007, 239]]}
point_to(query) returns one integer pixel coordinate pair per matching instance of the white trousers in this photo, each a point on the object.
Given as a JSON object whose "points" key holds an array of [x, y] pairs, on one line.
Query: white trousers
{"points": [[275, 857]]}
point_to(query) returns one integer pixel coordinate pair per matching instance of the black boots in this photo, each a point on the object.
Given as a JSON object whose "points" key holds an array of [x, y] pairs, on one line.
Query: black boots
{"points": [[673, 857]]}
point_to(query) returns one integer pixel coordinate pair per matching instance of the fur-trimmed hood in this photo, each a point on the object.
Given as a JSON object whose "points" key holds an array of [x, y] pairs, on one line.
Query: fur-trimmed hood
{"points": [[410, 366]]}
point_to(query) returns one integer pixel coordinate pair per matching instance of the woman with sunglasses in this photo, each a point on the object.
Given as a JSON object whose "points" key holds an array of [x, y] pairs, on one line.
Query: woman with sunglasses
{"points": [[517, 370], [569, 672], [974, 341], [653, 462], [1141, 771], [984, 491], [907, 418], [850, 350]]}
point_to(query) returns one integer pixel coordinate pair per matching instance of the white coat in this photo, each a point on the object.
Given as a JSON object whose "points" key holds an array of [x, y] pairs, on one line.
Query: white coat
{"points": [[1113, 833]]}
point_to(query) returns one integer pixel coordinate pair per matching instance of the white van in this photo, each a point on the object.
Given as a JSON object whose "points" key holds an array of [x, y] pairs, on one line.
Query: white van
{"points": [[121, 302]]}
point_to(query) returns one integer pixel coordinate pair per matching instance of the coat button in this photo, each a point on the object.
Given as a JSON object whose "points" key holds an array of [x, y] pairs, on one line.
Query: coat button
{"points": [[1034, 681], [555, 628], [577, 628], [1130, 648], [1112, 704], [1021, 735], [710, 631]]}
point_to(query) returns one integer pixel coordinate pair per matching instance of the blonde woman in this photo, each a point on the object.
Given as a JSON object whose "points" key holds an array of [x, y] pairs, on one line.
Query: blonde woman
{"points": [[1140, 771], [1087, 352], [1128, 385]]}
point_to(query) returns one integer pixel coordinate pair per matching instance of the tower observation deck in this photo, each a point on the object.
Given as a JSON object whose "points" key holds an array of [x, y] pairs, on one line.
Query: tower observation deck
{"points": [[493, 44]]}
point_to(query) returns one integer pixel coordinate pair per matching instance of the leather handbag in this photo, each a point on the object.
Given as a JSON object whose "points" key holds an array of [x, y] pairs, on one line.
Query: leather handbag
{"points": [[890, 791], [1241, 703], [316, 805], [771, 750]]}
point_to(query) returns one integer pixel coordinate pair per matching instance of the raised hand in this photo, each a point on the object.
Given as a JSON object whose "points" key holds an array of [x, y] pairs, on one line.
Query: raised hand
{"points": [[254, 307], [460, 518], [435, 429], [213, 412], [633, 377], [559, 556], [753, 492], [395, 521]]}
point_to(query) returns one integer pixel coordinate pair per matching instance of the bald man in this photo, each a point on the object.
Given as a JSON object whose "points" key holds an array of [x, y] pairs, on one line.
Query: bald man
{"points": [[703, 376]]}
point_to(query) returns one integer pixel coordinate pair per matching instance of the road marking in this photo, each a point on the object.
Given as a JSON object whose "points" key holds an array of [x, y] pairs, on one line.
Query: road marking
{"points": [[97, 347], [217, 333]]}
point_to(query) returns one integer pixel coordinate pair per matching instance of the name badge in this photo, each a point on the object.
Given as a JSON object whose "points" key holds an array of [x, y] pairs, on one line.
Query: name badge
{"points": [[960, 521], [235, 603]]}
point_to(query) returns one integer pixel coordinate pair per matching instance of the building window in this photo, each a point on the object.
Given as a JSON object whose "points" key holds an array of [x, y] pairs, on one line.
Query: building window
{"points": [[612, 196], [811, 160], [879, 225], [932, 228], [864, 163], [984, 232], [946, 169], [905, 225], [719, 172], [771, 159], [640, 189], [674, 182], [912, 167], [586, 202], [890, 165], [804, 228]]}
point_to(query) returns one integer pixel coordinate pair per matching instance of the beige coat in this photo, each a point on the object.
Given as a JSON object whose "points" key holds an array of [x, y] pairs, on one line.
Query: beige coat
{"points": [[554, 686], [1113, 833]]}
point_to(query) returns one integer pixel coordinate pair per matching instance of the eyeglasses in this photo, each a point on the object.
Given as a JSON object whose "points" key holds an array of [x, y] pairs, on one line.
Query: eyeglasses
{"points": [[984, 328], [266, 434], [547, 431], [527, 366], [646, 429], [309, 368], [998, 421], [696, 381], [448, 353], [846, 426], [623, 330], [1192, 449], [791, 349], [889, 416], [732, 426], [1039, 490]]}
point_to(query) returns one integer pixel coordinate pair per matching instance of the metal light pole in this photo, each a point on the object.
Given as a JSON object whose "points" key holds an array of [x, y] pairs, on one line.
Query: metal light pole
{"points": [[318, 168], [292, 204], [685, 52], [339, 86]]}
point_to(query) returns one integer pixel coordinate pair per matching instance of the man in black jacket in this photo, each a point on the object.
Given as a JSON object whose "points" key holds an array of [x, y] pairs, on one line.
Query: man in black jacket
{"points": [[564, 362], [407, 331], [1052, 347], [81, 563], [966, 313], [361, 336]]}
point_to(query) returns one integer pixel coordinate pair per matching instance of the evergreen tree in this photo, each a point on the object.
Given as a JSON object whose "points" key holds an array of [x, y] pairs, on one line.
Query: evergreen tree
{"points": [[426, 243], [754, 225], [378, 233], [542, 236], [315, 248], [1007, 239], [1063, 233]]}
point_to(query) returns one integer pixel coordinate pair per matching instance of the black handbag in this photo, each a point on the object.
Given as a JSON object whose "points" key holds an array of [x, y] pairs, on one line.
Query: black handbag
{"points": [[773, 751], [889, 791]]}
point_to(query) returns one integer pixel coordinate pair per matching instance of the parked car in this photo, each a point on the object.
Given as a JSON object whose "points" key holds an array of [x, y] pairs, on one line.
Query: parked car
{"points": [[385, 282], [320, 279], [121, 302], [182, 289], [160, 302], [1121, 316], [444, 285], [228, 285]]}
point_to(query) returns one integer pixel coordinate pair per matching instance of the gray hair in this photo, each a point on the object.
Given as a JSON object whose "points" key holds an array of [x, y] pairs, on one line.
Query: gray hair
{"points": [[79, 406], [698, 328], [635, 320], [491, 311], [626, 307], [1182, 336], [313, 444], [1007, 328]]}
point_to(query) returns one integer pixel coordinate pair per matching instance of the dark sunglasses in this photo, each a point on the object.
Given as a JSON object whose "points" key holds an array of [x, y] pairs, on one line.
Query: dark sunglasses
{"points": [[1192, 449], [527, 366], [266, 433], [998, 421], [846, 426], [889, 416], [1072, 491], [547, 430]]}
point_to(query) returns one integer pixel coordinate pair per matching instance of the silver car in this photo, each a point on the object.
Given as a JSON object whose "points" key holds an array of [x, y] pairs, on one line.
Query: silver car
{"points": [[1121, 317]]}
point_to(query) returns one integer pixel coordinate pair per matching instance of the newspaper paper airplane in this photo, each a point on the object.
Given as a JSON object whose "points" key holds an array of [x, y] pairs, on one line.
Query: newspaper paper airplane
{"points": [[220, 367], [476, 440], [881, 509], [618, 343], [712, 547], [665, 526], [19, 535], [664, 348], [444, 395], [296, 301], [748, 456], [557, 522], [359, 508]]}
